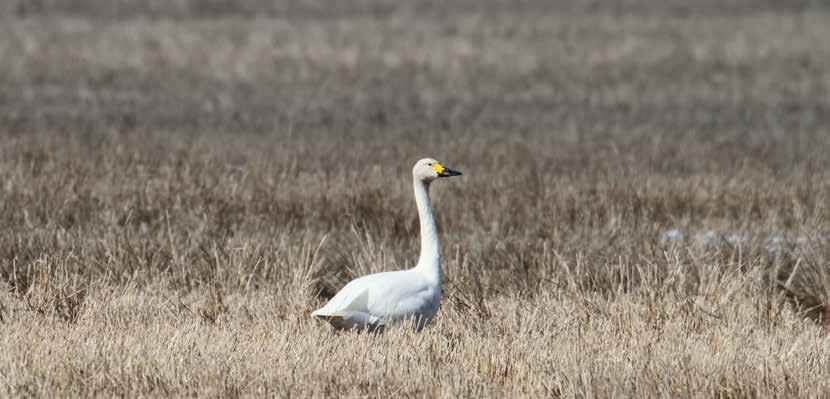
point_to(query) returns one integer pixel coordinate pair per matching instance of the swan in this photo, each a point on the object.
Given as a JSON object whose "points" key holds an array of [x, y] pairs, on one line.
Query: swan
{"points": [[378, 300]]}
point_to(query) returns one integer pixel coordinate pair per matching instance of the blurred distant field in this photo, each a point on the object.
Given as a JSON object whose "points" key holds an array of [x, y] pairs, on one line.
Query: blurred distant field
{"points": [[644, 210]]}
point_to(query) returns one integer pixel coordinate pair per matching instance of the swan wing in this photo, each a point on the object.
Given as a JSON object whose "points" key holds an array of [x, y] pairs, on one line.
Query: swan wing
{"points": [[379, 298], [401, 295]]}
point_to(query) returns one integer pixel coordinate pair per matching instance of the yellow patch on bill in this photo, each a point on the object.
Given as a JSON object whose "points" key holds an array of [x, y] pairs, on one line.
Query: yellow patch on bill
{"points": [[438, 167]]}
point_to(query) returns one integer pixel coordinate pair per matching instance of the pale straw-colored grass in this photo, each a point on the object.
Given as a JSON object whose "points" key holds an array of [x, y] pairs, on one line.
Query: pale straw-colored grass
{"points": [[181, 183]]}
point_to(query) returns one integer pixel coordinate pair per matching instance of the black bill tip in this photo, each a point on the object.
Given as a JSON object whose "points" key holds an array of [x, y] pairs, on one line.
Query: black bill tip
{"points": [[449, 172]]}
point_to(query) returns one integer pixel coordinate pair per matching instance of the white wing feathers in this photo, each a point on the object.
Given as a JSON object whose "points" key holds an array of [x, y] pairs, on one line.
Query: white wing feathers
{"points": [[372, 300]]}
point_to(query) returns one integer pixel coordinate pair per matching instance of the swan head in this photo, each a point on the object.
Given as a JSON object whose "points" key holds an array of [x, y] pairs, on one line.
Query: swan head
{"points": [[429, 169]]}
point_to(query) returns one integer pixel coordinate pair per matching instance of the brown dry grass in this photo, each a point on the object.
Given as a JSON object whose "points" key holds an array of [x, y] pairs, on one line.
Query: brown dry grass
{"points": [[183, 182]]}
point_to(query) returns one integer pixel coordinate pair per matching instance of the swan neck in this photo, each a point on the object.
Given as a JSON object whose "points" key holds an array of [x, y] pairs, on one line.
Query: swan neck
{"points": [[430, 260]]}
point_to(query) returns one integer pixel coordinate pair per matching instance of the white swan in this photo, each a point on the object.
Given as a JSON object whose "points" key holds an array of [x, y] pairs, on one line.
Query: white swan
{"points": [[375, 301]]}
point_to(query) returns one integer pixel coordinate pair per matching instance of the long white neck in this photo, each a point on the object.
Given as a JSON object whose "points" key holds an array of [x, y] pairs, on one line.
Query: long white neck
{"points": [[429, 262]]}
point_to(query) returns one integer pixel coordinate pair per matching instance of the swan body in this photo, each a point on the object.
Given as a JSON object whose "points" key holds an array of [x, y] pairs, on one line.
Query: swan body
{"points": [[378, 300]]}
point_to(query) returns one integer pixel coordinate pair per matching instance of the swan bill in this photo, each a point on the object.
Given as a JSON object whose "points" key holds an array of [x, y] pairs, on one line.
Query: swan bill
{"points": [[447, 172]]}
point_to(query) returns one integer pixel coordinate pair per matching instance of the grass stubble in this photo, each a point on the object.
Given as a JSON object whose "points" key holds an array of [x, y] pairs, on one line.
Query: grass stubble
{"points": [[182, 185]]}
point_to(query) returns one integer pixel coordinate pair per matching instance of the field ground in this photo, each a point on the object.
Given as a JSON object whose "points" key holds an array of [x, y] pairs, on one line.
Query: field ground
{"points": [[183, 183]]}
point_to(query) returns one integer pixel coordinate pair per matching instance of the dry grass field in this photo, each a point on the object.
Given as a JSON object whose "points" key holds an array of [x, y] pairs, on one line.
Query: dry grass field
{"points": [[645, 209]]}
